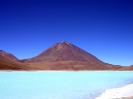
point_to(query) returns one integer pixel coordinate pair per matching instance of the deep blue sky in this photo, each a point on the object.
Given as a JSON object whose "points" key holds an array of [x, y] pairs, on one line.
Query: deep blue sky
{"points": [[103, 28]]}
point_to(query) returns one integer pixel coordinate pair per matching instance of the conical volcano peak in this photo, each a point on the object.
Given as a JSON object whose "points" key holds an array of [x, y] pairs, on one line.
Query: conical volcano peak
{"points": [[61, 45], [65, 43], [64, 51]]}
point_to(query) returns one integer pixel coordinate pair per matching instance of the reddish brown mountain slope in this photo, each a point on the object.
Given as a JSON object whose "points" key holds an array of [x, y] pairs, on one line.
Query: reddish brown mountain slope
{"points": [[10, 62], [7, 56], [65, 52], [129, 68], [66, 56]]}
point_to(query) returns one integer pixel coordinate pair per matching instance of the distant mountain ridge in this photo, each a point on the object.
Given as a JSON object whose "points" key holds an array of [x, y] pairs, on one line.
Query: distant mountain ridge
{"points": [[7, 56], [61, 56], [10, 62], [127, 68]]}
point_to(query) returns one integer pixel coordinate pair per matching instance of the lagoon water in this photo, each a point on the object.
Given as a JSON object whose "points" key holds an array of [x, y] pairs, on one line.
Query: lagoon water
{"points": [[60, 85]]}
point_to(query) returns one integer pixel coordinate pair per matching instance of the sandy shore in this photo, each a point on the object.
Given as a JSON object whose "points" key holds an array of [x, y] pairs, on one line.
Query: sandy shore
{"points": [[118, 93], [125, 98]]}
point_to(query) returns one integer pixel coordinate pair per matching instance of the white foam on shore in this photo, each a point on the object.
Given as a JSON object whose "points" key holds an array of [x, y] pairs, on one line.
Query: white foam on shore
{"points": [[126, 91]]}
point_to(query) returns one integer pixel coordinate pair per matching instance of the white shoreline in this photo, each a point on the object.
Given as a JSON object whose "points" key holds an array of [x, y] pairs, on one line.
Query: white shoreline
{"points": [[116, 93], [62, 71]]}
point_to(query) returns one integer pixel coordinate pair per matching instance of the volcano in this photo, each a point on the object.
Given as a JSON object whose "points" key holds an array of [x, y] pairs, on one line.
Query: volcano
{"points": [[65, 51], [66, 56]]}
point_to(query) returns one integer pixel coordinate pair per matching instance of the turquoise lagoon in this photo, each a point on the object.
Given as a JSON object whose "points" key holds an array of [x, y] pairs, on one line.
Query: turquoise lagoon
{"points": [[60, 85]]}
